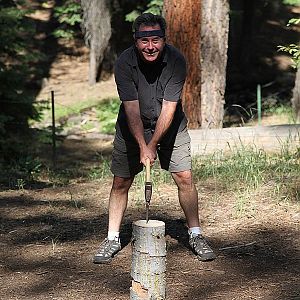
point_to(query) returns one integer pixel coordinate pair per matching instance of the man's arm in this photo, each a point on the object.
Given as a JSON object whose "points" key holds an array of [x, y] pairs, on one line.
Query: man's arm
{"points": [[132, 110], [163, 123]]}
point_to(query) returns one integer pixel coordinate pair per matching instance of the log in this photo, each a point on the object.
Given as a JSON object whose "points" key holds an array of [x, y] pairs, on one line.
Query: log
{"points": [[148, 261], [272, 139]]}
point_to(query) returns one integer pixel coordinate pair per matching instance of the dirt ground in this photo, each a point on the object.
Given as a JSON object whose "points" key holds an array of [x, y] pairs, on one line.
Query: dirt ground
{"points": [[48, 237]]}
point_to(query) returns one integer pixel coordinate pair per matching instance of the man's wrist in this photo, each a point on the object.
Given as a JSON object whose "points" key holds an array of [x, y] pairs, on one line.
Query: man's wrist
{"points": [[142, 145], [152, 145]]}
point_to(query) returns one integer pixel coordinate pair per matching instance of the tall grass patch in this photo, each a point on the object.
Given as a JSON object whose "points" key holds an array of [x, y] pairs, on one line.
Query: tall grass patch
{"points": [[246, 170]]}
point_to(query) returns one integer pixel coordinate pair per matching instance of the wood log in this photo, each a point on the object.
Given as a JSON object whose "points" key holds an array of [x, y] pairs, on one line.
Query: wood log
{"points": [[268, 138], [148, 261]]}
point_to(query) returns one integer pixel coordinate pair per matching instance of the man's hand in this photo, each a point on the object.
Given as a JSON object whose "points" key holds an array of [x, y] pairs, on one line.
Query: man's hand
{"points": [[147, 152]]}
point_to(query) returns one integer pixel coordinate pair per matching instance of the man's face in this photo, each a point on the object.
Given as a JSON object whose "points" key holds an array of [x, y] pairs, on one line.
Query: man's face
{"points": [[150, 48]]}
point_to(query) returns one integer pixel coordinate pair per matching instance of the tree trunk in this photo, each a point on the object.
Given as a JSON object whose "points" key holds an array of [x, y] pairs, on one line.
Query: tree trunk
{"points": [[97, 32], [296, 96], [183, 31], [200, 30], [214, 44], [148, 261]]}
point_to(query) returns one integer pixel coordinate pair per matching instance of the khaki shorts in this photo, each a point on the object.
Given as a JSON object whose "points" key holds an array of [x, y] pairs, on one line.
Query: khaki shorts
{"points": [[174, 154]]}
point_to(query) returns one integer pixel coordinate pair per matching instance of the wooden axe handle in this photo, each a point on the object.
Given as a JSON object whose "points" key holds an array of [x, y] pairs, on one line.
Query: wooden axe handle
{"points": [[148, 176]]}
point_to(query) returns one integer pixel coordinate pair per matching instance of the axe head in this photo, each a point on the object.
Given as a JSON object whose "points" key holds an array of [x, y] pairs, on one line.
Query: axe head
{"points": [[148, 191], [148, 194]]}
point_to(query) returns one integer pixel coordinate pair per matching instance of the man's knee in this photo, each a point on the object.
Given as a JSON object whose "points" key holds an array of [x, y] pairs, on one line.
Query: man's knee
{"points": [[121, 184], [184, 180]]}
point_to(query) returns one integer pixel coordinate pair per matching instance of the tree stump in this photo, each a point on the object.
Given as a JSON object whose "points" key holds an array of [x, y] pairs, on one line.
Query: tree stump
{"points": [[148, 261]]}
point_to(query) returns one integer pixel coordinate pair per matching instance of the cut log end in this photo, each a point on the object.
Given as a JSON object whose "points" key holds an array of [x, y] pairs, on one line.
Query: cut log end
{"points": [[151, 223]]}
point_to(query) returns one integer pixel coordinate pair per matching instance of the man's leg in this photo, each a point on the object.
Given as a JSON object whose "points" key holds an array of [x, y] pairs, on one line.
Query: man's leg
{"points": [[188, 198], [117, 205], [118, 202]]}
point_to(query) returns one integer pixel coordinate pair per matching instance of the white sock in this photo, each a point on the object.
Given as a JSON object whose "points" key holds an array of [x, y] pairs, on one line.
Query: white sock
{"points": [[194, 231], [113, 235]]}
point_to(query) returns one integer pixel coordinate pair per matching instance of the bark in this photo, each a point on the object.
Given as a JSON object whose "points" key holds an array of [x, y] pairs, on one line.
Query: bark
{"points": [[148, 260], [200, 30], [183, 31], [96, 26], [296, 96], [214, 44]]}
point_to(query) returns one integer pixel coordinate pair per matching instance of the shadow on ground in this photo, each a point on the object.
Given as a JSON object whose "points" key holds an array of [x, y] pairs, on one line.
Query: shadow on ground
{"points": [[47, 249]]}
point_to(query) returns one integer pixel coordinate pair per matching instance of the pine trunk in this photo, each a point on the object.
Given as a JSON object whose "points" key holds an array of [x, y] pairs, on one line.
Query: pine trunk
{"points": [[214, 44], [96, 26], [200, 30], [183, 31], [296, 96], [148, 261]]}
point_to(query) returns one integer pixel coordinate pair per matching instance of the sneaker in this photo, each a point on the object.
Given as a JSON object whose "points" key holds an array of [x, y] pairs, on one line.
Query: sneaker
{"points": [[107, 250], [201, 248]]}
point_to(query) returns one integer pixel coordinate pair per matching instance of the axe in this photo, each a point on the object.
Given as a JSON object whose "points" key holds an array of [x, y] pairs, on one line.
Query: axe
{"points": [[148, 188]]}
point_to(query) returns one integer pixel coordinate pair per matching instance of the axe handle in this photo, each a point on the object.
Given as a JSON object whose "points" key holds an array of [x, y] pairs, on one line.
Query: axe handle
{"points": [[148, 179]]}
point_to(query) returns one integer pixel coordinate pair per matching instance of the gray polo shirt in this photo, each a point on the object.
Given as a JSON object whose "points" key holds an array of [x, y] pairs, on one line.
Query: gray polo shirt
{"points": [[150, 84]]}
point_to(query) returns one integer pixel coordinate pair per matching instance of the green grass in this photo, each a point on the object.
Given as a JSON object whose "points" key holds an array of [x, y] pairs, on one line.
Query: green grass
{"points": [[107, 113], [242, 172], [241, 167], [285, 111], [246, 170], [106, 110], [249, 167], [249, 174], [76, 108], [101, 170], [243, 175]]}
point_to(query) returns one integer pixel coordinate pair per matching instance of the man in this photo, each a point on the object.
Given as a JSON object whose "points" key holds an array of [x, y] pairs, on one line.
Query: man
{"points": [[150, 76]]}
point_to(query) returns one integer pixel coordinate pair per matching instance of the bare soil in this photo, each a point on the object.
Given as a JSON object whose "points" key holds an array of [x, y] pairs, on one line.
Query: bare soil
{"points": [[48, 237]]}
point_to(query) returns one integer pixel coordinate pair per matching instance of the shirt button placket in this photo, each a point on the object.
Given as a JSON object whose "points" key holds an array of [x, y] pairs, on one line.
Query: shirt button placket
{"points": [[152, 98]]}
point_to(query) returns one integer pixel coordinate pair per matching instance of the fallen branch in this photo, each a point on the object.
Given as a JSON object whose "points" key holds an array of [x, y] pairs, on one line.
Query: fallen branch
{"points": [[237, 246]]}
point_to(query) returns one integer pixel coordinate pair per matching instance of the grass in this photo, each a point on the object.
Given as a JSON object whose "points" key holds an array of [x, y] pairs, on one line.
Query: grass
{"points": [[273, 113], [101, 170], [108, 106], [243, 173], [247, 167], [283, 111], [243, 170], [249, 172], [107, 112]]}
